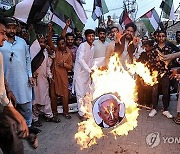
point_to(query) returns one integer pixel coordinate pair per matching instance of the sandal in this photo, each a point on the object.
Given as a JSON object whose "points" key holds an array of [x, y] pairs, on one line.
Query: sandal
{"points": [[37, 124], [176, 120], [67, 116], [54, 119]]}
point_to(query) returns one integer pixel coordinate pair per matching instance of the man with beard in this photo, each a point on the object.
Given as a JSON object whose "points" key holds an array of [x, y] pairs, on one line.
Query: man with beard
{"points": [[11, 121], [110, 48], [70, 45], [17, 70], [125, 45], [100, 46], [82, 70]]}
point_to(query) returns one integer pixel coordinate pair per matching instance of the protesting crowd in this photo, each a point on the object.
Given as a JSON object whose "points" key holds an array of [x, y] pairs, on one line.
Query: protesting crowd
{"points": [[31, 87]]}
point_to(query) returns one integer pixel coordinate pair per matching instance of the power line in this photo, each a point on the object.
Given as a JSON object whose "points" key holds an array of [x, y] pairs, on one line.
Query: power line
{"points": [[109, 9]]}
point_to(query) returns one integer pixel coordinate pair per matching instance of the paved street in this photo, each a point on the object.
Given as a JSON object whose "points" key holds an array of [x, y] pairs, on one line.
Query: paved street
{"points": [[59, 138]]}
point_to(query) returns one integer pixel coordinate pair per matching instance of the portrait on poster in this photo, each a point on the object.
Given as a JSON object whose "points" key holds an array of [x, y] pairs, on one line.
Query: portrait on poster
{"points": [[108, 111]]}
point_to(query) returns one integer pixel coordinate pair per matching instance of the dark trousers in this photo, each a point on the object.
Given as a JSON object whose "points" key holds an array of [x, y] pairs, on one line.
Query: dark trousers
{"points": [[163, 85], [9, 141], [144, 93]]}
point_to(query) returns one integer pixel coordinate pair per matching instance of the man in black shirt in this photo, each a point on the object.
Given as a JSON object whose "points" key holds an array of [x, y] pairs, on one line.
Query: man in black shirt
{"points": [[164, 72]]}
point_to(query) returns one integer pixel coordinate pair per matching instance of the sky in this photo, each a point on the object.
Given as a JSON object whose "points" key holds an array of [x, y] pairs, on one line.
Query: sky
{"points": [[143, 7]]}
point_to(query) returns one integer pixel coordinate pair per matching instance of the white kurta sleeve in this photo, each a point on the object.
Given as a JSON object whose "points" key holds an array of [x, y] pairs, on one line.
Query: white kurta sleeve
{"points": [[28, 61], [82, 54]]}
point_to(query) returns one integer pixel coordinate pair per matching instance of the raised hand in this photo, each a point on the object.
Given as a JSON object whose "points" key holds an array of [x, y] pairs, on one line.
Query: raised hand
{"points": [[118, 36], [68, 22], [136, 40], [49, 27]]}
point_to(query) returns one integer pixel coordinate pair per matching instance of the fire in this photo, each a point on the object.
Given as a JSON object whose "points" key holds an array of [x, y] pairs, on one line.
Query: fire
{"points": [[121, 83], [143, 72]]}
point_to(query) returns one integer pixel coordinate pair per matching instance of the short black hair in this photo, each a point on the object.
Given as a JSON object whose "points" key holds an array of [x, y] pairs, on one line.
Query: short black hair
{"points": [[78, 37], [114, 27], [156, 32], [89, 31], [131, 24], [2, 20], [177, 32], [69, 34], [162, 31], [59, 39], [101, 30], [149, 42]]}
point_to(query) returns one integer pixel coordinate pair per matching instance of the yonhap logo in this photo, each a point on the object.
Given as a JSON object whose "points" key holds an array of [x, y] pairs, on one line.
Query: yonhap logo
{"points": [[153, 139]]}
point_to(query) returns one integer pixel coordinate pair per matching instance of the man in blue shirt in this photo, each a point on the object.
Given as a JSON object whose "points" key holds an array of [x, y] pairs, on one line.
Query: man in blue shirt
{"points": [[17, 70], [12, 124]]}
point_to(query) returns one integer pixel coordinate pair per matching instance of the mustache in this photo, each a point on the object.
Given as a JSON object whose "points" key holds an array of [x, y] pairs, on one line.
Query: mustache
{"points": [[10, 34]]}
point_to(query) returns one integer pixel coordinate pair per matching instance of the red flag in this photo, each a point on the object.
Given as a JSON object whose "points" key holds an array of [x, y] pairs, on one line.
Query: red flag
{"points": [[124, 19]]}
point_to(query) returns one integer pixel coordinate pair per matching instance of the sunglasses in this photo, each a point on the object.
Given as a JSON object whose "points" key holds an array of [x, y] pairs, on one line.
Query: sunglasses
{"points": [[12, 54]]}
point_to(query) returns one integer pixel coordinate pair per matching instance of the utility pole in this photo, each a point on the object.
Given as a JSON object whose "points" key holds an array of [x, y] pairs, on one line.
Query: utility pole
{"points": [[132, 7]]}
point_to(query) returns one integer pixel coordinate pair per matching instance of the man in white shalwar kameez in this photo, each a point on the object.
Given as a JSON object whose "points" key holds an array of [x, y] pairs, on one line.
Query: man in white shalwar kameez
{"points": [[42, 102], [82, 69], [100, 46]]}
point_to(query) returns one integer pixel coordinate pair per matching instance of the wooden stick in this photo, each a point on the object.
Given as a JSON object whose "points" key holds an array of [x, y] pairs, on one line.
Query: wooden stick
{"points": [[145, 107]]}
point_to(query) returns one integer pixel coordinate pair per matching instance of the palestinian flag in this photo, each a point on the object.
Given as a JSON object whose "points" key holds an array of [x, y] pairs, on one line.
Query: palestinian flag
{"points": [[37, 55], [29, 11], [151, 20], [99, 9], [167, 7], [124, 19], [33, 43], [72, 9]]}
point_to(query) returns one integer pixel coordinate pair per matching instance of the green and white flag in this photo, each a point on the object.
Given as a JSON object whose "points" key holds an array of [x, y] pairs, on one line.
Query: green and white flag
{"points": [[167, 7], [29, 11], [33, 43], [74, 10], [99, 8], [151, 20]]}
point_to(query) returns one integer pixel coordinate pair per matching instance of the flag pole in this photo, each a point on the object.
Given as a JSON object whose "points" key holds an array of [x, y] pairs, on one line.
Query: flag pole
{"points": [[160, 18], [53, 9], [101, 17], [125, 9]]}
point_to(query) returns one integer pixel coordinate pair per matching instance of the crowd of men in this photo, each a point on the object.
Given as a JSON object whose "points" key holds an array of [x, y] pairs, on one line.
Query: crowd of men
{"points": [[30, 87]]}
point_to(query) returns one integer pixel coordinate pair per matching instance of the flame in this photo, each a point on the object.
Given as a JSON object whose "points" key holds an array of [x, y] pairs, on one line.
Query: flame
{"points": [[143, 72], [120, 82]]}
